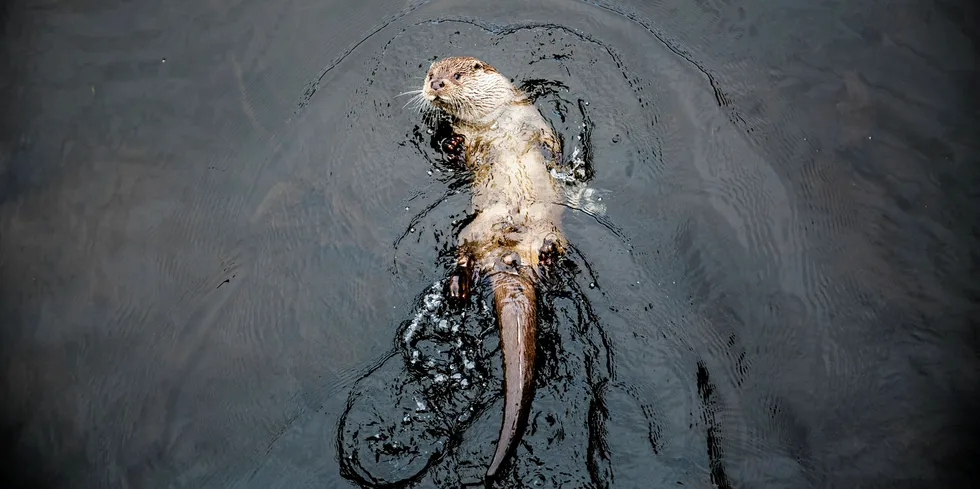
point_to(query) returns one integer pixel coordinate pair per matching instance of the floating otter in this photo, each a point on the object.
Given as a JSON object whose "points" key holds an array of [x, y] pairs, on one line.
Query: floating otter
{"points": [[507, 145]]}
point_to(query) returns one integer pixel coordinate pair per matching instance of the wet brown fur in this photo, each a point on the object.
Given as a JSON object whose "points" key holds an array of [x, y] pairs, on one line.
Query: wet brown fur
{"points": [[517, 225]]}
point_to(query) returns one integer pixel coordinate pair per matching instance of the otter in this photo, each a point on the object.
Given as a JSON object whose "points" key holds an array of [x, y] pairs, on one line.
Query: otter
{"points": [[508, 145]]}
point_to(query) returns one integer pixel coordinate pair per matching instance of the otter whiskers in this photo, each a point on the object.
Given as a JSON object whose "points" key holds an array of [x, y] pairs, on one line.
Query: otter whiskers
{"points": [[417, 102]]}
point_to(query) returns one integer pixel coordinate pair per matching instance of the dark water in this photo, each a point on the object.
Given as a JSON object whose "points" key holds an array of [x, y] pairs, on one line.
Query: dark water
{"points": [[222, 241]]}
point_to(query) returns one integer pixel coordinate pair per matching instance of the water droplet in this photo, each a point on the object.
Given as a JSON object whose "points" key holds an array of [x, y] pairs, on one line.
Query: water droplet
{"points": [[615, 139], [406, 208], [164, 60], [591, 285]]}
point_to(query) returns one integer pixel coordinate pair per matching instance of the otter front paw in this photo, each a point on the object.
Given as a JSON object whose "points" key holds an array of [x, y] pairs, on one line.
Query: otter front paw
{"points": [[553, 145], [454, 149], [459, 288], [461, 280]]}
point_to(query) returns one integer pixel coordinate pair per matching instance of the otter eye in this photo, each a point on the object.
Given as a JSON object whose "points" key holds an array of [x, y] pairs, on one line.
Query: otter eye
{"points": [[477, 66], [456, 76]]}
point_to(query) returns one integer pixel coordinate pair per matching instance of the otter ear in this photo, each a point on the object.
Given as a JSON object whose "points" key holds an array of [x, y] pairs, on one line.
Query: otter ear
{"points": [[478, 66]]}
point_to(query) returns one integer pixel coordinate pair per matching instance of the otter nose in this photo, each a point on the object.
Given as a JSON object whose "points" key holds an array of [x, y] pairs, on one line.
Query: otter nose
{"points": [[437, 84]]}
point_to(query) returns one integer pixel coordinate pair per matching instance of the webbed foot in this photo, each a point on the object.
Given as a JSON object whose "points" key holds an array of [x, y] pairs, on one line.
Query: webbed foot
{"points": [[549, 252]]}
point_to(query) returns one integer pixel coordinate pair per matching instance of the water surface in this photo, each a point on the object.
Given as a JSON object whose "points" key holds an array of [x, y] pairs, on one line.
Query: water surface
{"points": [[222, 241]]}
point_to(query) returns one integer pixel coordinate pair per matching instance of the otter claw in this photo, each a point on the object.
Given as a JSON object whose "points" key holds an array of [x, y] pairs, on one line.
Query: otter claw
{"points": [[461, 280], [459, 289]]}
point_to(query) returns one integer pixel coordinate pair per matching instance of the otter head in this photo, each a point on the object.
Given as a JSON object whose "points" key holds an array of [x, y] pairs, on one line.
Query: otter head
{"points": [[467, 88]]}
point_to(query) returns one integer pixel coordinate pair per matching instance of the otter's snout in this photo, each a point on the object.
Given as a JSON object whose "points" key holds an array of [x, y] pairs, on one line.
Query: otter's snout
{"points": [[437, 85]]}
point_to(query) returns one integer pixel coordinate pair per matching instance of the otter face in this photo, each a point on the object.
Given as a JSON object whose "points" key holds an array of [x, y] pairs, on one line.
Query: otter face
{"points": [[467, 88]]}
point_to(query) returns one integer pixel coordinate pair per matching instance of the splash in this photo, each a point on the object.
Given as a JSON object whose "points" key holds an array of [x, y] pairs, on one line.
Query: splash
{"points": [[404, 415]]}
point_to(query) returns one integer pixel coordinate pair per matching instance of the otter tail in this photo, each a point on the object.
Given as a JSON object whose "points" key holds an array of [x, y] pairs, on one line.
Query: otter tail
{"points": [[514, 300]]}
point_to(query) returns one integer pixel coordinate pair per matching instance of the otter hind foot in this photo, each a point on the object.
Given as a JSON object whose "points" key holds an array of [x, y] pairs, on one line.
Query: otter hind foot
{"points": [[548, 252]]}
